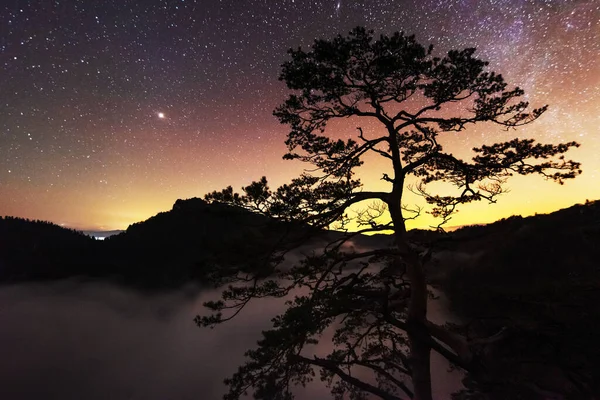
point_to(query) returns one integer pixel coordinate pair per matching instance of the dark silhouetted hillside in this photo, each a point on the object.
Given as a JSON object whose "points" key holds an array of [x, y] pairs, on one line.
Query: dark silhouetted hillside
{"points": [[539, 277], [41, 250], [168, 250], [186, 242]]}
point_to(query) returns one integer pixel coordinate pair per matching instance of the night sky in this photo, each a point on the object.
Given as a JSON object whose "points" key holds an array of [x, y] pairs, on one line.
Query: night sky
{"points": [[110, 110]]}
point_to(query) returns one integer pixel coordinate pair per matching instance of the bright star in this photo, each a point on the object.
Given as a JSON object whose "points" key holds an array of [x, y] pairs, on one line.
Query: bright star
{"points": [[161, 115], [338, 6]]}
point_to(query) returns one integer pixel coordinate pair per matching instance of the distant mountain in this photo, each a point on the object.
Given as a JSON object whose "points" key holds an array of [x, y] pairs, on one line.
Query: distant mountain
{"points": [[565, 237], [194, 237], [167, 250]]}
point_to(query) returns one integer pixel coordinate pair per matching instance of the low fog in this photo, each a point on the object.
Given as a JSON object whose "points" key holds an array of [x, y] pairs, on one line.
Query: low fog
{"points": [[92, 340]]}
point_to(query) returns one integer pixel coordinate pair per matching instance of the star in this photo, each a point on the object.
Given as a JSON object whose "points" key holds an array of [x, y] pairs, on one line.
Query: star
{"points": [[161, 115]]}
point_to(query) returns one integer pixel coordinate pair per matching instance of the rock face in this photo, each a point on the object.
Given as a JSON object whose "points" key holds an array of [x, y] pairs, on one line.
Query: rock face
{"points": [[190, 204]]}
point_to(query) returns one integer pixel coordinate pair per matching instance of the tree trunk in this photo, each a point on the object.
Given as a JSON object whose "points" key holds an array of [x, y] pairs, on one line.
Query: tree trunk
{"points": [[418, 335], [420, 358]]}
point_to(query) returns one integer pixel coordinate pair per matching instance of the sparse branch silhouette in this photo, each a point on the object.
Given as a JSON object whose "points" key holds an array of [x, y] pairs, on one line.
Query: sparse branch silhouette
{"points": [[374, 302]]}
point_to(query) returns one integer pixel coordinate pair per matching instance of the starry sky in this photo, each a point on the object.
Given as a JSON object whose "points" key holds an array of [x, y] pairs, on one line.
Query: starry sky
{"points": [[110, 110]]}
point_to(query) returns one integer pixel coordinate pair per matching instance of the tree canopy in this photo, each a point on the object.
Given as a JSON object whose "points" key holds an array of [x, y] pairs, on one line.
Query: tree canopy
{"points": [[374, 301]]}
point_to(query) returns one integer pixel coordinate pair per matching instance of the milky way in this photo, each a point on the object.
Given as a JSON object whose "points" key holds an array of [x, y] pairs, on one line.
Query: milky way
{"points": [[111, 110]]}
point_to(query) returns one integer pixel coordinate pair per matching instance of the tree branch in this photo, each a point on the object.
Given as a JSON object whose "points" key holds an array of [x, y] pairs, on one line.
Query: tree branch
{"points": [[335, 369]]}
